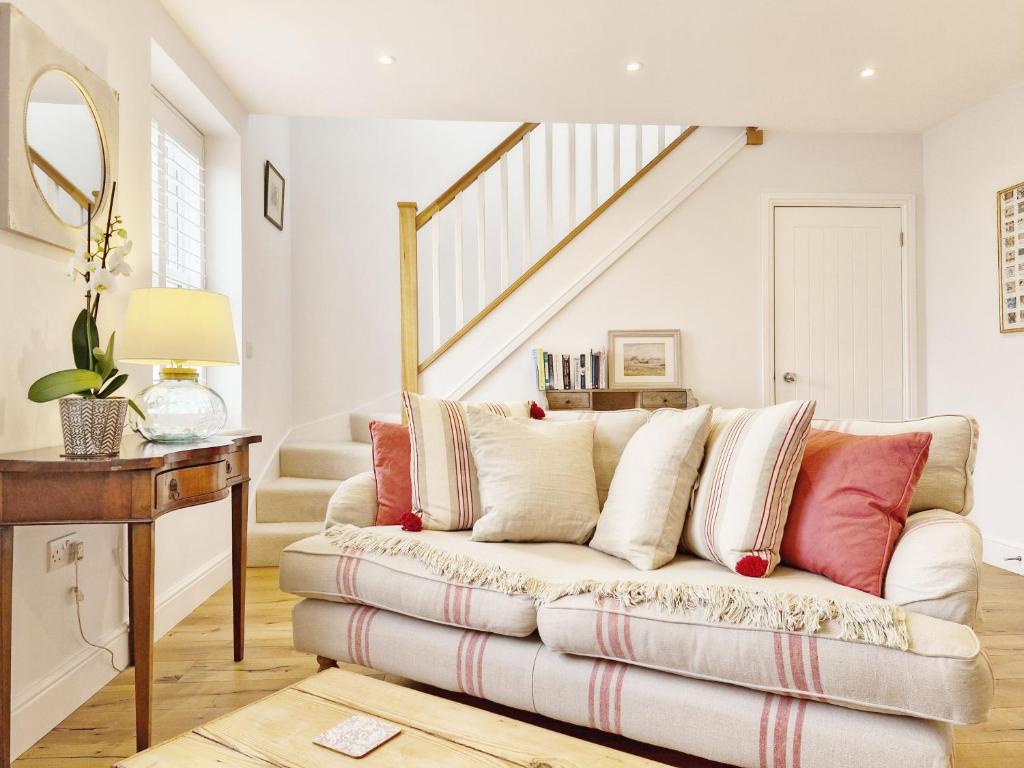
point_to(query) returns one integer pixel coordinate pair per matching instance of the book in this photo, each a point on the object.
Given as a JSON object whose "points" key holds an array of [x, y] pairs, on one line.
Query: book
{"points": [[577, 370]]}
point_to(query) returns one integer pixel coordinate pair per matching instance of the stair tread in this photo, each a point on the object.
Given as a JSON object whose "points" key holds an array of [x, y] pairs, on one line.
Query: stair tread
{"points": [[325, 459], [267, 540], [297, 484]]}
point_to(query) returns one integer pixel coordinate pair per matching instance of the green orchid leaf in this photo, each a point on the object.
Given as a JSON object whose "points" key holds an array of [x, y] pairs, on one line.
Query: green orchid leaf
{"points": [[105, 359], [63, 383], [83, 336], [134, 407], [115, 384]]}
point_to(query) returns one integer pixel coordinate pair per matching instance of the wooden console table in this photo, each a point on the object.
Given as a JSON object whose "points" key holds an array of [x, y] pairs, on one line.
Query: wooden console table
{"points": [[146, 481], [618, 399]]}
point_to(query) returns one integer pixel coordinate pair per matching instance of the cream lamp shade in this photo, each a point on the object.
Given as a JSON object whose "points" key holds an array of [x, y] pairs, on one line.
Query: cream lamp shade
{"points": [[182, 326]]}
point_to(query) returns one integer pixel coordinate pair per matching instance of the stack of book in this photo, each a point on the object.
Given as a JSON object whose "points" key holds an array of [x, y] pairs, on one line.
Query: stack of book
{"points": [[575, 370]]}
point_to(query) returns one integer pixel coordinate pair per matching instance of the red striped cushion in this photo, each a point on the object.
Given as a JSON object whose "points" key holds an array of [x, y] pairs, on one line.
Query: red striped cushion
{"points": [[444, 482], [746, 483]]}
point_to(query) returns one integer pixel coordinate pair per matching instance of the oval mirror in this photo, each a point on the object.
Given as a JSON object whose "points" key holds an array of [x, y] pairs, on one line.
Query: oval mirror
{"points": [[65, 151]]}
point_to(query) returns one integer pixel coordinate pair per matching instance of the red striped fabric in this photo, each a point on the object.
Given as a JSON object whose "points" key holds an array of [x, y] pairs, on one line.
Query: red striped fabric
{"points": [[604, 695], [359, 625], [780, 740], [469, 662]]}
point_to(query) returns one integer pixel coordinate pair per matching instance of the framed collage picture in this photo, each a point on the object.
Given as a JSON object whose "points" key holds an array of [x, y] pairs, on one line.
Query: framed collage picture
{"points": [[1010, 220]]}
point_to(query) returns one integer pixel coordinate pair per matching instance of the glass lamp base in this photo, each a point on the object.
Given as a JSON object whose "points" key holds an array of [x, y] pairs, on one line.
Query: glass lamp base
{"points": [[179, 409]]}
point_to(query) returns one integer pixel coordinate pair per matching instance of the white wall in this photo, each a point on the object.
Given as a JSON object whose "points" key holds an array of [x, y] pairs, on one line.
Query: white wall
{"points": [[971, 366], [266, 350], [700, 269], [346, 177], [53, 671]]}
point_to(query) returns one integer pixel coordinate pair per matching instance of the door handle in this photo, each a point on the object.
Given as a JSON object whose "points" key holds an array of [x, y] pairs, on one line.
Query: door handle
{"points": [[789, 377]]}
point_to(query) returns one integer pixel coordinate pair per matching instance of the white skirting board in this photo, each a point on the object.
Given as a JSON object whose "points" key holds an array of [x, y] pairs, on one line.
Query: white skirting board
{"points": [[49, 700], [997, 550]]}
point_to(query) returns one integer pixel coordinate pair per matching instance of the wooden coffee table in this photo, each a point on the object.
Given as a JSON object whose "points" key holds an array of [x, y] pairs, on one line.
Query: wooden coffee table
{"points": [[279, 730]]}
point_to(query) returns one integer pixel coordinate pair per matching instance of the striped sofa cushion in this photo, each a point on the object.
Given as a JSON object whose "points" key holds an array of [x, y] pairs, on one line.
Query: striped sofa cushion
{"points": [[445, 491], [724, 723], [750, 466], [942, 676]]}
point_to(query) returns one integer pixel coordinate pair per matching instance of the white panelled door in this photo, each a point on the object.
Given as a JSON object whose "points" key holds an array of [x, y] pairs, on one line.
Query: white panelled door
{"points": [[839, 315]]}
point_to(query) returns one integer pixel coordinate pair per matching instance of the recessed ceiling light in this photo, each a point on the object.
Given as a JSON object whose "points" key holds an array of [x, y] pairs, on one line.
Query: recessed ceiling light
{"points": [[634, 66], [386, 59], [868, 72]]}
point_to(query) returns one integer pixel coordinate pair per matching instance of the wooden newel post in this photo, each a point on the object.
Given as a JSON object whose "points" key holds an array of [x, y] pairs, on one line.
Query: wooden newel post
{"points": [[409, 296]]}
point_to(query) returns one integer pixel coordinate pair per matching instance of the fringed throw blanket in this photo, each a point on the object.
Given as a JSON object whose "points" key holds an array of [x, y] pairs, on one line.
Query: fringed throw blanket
{"points": [[877, 623]]}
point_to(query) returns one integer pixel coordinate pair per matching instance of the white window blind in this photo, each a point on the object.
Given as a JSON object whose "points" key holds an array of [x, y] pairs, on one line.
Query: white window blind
{"points": [[179, 217]]}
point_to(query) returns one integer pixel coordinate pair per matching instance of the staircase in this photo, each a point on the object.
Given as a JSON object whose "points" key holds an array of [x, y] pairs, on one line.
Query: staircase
{"points": [[482, 240], [293, 505]]}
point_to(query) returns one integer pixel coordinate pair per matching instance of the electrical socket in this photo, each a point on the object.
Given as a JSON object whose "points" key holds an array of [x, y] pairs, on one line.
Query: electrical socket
{"points": [[61, 552]]}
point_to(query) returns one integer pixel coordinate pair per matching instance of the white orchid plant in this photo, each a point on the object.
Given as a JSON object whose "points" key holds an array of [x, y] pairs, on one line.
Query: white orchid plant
{"points": [[100, 261]]}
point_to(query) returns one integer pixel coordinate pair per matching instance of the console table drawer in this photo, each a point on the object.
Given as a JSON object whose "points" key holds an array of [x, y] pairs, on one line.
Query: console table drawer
{"points": [[568, 401], [237, 465], [182, 486], [656, 399]]}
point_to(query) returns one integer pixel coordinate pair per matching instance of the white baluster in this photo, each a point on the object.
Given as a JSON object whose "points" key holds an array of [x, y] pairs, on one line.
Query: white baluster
{"points": [[593, 166], [661, 138], [459, 299], [549, 183], [481, 243], [572, 175], [435, 277], [639, 148], [527, 245], [503, 221], [616, 153]]}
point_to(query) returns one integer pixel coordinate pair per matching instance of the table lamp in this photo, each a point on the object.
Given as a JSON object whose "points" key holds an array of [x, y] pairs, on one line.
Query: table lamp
{"points": [[179, 329]]}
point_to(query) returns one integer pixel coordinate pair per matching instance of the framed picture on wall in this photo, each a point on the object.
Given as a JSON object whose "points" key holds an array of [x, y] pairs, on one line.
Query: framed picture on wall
{"points": [[645, 360], [1010, 238], [273, 195]]}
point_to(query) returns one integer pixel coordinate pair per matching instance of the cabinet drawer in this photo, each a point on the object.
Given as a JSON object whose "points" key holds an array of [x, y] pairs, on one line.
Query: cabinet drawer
{"points": [[237, 465], [177, 487], [569, 401], [656, 399]]}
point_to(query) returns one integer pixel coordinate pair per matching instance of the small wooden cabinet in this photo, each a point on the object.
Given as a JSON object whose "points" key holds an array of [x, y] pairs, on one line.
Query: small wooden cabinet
{"points": [[618, 399]]}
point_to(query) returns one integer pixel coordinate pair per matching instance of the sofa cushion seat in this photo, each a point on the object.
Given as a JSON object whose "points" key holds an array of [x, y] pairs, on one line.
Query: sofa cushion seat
{"points": [[942, 676], [314, 567]]}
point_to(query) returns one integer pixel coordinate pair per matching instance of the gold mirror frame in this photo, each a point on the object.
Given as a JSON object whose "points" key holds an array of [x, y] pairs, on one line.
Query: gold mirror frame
{"points": [[101, 134], [29, 55]]}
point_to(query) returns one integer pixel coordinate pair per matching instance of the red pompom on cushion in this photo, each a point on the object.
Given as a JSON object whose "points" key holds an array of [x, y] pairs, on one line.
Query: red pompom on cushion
{"points": [[536, 412], [752, 565], [850, 504], [391, 457], [411, 522]]}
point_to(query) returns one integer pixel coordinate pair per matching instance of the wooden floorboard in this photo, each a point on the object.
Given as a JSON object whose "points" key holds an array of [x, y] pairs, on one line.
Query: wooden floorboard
{"points": [[196, 680]]}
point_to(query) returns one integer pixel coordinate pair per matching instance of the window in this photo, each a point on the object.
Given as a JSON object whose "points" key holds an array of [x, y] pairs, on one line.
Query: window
{"points": [[179, 217]]}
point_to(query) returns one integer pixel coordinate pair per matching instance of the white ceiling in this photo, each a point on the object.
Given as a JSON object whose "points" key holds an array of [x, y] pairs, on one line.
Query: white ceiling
{"points": [[781, 64]]}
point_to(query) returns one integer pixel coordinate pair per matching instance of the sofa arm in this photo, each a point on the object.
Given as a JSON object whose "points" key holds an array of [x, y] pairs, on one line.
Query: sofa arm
{"points": [[936, 567], [355, 502]]}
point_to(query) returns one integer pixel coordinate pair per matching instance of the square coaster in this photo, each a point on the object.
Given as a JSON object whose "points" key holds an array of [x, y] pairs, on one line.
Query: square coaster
{"points": [[357, 735]]}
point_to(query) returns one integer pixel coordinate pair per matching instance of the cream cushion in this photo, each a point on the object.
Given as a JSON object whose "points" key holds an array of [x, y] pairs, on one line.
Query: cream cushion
{"points": [[746, 482], [536, 479], [942, 676], [650, 492], [354, 502], [444, 484], [946, 482], [612, 431], [315, 568], [936, 567]]}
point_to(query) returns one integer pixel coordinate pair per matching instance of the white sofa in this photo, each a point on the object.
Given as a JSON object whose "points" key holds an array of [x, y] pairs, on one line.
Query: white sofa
{"points": [[791, 670]]}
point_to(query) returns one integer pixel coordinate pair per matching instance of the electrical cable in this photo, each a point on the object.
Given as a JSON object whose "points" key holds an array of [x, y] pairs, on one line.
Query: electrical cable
{"points": [[81, 631]]}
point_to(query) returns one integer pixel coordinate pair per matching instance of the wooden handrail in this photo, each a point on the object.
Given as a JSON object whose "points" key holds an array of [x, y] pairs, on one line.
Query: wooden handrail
{"points": [[497, 301], [473, 173], [60, 179]]}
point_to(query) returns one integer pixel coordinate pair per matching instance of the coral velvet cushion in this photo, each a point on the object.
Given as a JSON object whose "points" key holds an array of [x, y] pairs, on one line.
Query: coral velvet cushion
{"points": [[391, 459], [850, 504]]}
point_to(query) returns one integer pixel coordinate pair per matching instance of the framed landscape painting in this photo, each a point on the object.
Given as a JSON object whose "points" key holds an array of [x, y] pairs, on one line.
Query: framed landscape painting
{"points": [[645, 360]]}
